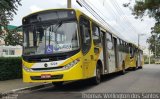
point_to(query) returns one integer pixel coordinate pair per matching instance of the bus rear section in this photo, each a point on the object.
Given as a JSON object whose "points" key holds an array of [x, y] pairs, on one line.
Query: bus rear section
{"points": [[141, 59], [136, 57]]}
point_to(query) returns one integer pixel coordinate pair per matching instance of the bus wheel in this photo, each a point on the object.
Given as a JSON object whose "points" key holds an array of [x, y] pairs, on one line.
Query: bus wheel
{"points": [[123, 68], [140, 67], [57, 84], [97, 79], [135, 68]]}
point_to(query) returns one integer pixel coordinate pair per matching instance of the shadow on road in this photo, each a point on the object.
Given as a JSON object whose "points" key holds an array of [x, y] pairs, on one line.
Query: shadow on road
{"points": [[79, 86]]}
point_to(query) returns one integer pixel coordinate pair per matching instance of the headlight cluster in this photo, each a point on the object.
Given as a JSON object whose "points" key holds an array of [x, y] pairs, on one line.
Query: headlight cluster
{"points": [[27, 69], [71, 64]]}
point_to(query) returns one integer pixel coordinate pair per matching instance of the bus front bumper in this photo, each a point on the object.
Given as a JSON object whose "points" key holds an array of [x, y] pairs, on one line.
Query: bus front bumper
{"points": [[74, 73]]}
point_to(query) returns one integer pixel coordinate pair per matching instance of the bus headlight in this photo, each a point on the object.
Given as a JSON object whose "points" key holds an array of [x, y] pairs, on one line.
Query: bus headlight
{"points": [[71, 64], [27, 69]]}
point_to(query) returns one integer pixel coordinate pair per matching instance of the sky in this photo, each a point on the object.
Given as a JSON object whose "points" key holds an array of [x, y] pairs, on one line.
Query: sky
{"points": [[118, 17]]}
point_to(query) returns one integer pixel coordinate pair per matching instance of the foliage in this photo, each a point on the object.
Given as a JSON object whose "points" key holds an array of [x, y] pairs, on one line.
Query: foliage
{"points": [[154, 42], [14, 37], [149, 8], [10, 68], [146, 60], [7, 10], [156, 28]]}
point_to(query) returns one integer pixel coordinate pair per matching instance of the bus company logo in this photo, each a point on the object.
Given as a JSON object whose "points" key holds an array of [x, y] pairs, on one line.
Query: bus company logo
{"points": [[54, 63], [45, 65]]}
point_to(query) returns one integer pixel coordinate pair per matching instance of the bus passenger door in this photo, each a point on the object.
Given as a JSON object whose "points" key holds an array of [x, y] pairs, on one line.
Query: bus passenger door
{"points": [[110, 53], [105, 53], [138, 59], [116, 52]]}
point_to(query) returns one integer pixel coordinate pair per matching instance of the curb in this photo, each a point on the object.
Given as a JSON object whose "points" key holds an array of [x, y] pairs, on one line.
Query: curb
{"points": [[25, 88]]}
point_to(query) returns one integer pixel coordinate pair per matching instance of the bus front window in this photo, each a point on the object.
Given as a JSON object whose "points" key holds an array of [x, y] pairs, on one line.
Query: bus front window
{"points": [[52, 38]]}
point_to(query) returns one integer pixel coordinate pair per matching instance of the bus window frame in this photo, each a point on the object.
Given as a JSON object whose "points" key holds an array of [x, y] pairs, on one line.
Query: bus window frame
{"points": [[81, 41], [110, 40], [99, 35]]}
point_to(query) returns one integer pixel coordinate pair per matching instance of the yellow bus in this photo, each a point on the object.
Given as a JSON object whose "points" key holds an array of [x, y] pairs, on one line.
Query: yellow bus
{"points": [[66, 45], [136, 57], [141, 59]]}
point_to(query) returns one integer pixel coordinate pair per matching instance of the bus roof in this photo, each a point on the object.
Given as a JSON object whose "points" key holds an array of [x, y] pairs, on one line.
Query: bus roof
{"points": [[47, 10], [77, 10]]}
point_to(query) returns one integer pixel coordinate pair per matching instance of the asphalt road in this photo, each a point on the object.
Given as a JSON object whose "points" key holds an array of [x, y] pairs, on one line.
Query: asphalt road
{"points": [[146, 80]]}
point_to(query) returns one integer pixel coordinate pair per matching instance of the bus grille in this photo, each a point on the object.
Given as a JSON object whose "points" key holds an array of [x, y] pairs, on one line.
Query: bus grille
{"points": [[49, 68]]}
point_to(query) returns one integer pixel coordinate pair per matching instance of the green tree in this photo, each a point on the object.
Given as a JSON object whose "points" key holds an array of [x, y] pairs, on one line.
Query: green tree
{"points": [[149, 8], [14, 37], [7, 10], [154, 42]]}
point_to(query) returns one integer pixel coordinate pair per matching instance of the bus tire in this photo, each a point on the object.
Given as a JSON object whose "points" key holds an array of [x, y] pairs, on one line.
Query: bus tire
{"points": [[97, 78], [57, 84], [135, 68], [123, 68], [140, 67]]}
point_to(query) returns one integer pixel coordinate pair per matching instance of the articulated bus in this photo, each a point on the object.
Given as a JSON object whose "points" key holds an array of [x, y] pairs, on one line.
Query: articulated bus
{"points": [[136, 57], [66, 45]]}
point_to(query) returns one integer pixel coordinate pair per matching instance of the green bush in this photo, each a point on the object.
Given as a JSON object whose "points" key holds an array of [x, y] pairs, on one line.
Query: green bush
{"points": [[10, 68], [146, 60]]}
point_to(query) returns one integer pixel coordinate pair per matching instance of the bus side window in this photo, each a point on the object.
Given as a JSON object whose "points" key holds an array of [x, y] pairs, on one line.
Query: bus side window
{"points": [[109, 37], [109, 40], [96, 34], [85, 34], [132, 54], [118, 43], [130, 49]]}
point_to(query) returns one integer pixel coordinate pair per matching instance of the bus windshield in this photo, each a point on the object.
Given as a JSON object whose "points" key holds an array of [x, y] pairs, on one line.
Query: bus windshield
{"points": [[57, 37]]}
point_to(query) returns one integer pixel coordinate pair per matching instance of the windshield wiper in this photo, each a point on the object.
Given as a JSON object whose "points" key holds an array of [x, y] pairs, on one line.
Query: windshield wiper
{"points": [[54, 29]]}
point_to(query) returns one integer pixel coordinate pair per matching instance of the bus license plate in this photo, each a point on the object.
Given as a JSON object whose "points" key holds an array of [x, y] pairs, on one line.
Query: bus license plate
{"points": [[45, 76]]}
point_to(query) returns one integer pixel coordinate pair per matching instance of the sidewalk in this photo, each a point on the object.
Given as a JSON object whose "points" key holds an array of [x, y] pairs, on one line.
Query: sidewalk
{"points": [[8, 85]]}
